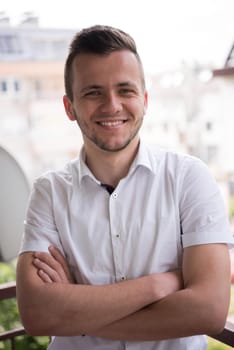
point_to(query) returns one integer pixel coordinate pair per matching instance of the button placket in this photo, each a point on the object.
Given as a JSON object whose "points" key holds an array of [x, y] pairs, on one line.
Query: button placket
{"points": [[115, 231], [115, 195]]}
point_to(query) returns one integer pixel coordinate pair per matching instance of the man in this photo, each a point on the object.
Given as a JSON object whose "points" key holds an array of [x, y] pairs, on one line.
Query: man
{"points": [[125, 248]]}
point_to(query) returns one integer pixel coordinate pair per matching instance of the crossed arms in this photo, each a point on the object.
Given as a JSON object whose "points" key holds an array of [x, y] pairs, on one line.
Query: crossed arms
{"points": [[152, 307]]}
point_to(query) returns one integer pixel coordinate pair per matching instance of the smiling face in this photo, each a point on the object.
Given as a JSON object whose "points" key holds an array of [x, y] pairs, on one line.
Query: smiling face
{"points": [[109, 100]]}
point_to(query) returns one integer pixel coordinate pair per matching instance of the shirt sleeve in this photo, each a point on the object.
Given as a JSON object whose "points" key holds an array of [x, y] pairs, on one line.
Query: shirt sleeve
{"points": [[39, 227], [203, 214]]}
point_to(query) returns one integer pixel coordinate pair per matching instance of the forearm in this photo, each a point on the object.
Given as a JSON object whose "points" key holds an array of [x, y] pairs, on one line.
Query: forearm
{"points": [[72, 309], [200, 308], [60, 309], [181, 314]]}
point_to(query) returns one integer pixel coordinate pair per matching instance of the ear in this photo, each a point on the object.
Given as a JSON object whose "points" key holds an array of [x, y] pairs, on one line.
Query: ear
{"points": [[68, 108], [145, 101]]}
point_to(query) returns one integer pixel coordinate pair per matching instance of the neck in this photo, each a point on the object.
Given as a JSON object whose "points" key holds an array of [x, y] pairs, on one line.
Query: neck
{"points": [[110, 167]]}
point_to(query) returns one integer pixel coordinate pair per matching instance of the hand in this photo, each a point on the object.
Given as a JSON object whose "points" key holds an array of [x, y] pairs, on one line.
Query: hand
{"points": [[167, 283], [52, 267]]}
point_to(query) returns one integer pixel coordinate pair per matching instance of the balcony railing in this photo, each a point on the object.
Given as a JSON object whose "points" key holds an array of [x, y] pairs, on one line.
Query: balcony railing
{"points": [[8, 290], [227, 335]]}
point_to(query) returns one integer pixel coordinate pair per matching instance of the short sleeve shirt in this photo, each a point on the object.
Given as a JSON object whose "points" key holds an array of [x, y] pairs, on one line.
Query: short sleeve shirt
{"points": [[167, 202]]}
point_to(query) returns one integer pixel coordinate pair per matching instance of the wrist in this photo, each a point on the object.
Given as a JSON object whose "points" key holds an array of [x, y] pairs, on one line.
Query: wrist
{"points": [[166, 283]]}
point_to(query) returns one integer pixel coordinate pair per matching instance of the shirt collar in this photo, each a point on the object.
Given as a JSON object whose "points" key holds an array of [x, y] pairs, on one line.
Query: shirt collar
{"points": [[142, 159], [84, 171]]}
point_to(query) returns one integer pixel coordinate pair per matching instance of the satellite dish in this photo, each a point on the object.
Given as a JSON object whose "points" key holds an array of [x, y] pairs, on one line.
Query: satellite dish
{"points": [[14, 193]]}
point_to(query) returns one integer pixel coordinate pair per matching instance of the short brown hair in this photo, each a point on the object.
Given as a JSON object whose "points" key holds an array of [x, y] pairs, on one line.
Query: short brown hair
{"points": [[101, 40]]}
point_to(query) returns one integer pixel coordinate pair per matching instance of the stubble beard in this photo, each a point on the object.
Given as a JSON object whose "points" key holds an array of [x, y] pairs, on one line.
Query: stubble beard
{"points": [[102, 144]]}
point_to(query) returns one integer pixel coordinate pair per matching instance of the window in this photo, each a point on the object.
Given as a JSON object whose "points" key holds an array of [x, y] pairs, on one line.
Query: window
{"points": [[3, 86], [209, 126], [9, 44], [16, 85]]}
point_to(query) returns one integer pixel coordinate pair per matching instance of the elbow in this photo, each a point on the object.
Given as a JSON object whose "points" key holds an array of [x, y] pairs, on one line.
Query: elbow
{"points": [[38, 323], [34, 321], [215, 327], [33, 331], [32, 325], [216, 320]]}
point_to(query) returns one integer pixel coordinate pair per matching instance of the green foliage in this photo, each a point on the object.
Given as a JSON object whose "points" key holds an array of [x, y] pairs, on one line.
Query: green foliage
{"points": [[231, 207], [7, 272], [9, 317], [8, 308], [26, 342], [216, 345]]}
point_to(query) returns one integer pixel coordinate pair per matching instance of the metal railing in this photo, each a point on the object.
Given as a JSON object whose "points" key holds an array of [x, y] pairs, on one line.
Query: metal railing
{"points": [[8, 290], [227, 335]]}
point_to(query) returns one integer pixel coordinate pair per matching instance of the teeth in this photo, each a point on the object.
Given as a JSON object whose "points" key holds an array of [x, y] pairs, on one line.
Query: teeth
{"points": [[114, 123]]}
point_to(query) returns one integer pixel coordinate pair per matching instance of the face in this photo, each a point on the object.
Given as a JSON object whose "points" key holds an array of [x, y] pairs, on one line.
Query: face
{"points": [[109, 100]]}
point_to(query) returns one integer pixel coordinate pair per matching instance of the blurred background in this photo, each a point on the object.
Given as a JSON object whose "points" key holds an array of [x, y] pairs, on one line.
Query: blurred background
{"points": [[187, 49]]}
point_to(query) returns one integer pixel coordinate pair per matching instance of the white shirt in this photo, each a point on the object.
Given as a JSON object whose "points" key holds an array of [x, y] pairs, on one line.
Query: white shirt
{"points": [[166, 202]]}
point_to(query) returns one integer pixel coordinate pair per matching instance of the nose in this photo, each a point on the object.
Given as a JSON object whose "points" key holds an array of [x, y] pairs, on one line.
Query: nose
{"points": [[111, 103]]}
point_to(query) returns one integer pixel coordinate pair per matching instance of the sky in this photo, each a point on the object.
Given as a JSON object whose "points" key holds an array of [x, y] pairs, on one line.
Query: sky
{"points": [[167, 32]]}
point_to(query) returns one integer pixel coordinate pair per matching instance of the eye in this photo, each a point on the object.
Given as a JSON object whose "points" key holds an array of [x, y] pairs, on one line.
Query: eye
{"points": [[127, 91], [93, 93]]}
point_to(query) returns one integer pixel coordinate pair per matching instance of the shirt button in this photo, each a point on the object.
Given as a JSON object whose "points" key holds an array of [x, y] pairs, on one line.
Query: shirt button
{"points": [[115, 195], [117, 236], [123, 278]]}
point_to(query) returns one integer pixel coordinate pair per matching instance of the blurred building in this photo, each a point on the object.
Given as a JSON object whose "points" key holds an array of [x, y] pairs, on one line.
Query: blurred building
{"points": [[224, 77], [191, 109], [33, 124]]}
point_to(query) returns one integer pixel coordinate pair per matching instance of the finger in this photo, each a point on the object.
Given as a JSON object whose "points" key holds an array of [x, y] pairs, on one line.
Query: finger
{"points": [[45, 278], [56, 261], [55, 252], [41, 266], [46, 258], [50, 261]]}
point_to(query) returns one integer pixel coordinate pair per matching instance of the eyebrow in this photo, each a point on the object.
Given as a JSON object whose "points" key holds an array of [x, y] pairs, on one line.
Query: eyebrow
{"points": [[90, 87], [127, 83], [95, 86]]}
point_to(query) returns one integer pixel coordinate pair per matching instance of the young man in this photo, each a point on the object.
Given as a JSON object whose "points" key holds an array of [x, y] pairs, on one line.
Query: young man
{"points": [[125, 248]]}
